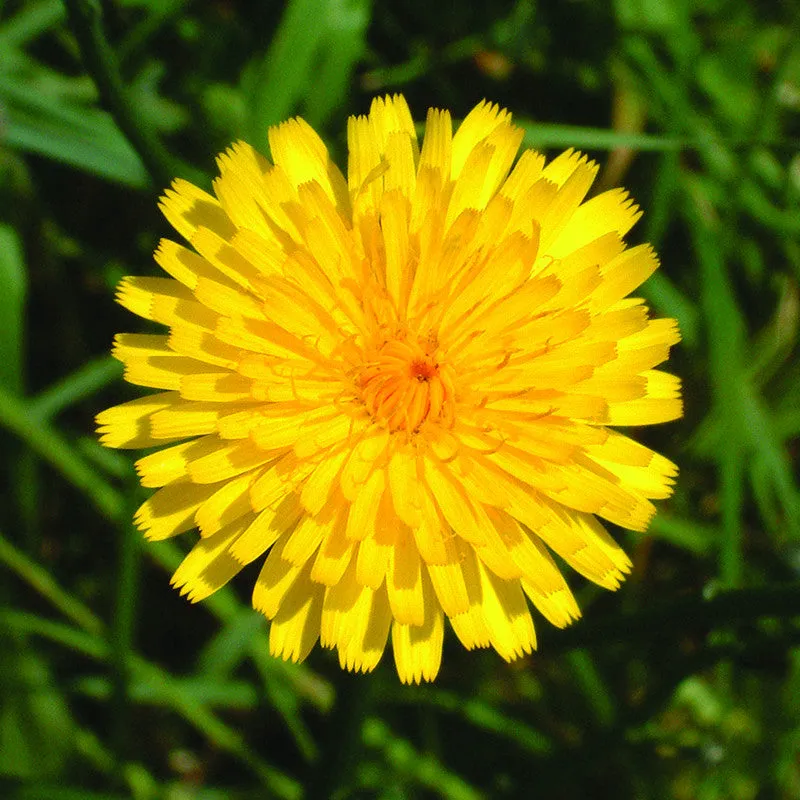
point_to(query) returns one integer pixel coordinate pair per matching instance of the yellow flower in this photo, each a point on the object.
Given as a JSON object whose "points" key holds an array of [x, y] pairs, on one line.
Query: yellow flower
{"points": [[398, 385]]}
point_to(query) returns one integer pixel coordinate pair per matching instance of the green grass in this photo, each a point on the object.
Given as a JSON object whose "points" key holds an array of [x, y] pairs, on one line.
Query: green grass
{"points": [[683, 684]]}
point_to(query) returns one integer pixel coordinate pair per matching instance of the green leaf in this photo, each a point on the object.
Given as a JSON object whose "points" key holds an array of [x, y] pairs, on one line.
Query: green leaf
{"points": [[40, 791], [13, 291], [231, 645], [343, 46], [158, 112], [285, 72], [308, 67], [687, 534], [35, 723], [421, 769], [67, 131], [32, 20], [482, 715]]}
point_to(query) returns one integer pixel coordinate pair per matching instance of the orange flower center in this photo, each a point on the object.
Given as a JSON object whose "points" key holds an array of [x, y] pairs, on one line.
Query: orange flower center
{"points": [[405, 385]]}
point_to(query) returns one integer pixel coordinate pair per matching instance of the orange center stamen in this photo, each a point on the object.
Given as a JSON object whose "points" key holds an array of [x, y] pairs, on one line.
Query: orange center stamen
{"points": [[404, 385]]}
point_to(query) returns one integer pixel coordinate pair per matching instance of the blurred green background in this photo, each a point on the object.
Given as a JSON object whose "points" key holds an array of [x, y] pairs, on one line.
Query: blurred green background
{"points": [[684, 684]]}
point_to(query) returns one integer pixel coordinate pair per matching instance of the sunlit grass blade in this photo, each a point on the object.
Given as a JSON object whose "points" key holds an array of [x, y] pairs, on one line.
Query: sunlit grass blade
{"points": [[481, 714], [13, 293], [180, 700], [286, 685], [224, 694], [39, 579], [54, 448], [541, 135], [88, 379], [414, 768]]}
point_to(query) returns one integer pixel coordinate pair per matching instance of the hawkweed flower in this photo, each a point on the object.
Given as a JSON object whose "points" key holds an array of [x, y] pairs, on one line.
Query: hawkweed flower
{"points": [[399, 385]]}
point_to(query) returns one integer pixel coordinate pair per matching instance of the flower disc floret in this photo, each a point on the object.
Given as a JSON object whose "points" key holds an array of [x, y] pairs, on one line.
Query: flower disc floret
{"points": [[404, 383]]}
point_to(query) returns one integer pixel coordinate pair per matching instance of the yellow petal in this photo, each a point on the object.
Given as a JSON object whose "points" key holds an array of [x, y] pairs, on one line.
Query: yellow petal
{"points": [[227, 461], [163, 300], [584, 544], [395, 214], [203, 384], [471, 626], [405, 486], [276, 578], [485, 168], [418, 648], [436, 151], [390, 115], [318, 486], [186, 208], [623, 274], [171, 463], [450, 587], [230, 502], [363, 167], [525, 174], [570, 195], [362, 517], [202, 345], [454, 502], [611, 211], [209, 565], [303, 541], [295, 628], [182, 264], [557, 607], [661, 403], [477, 126], [242, 189], [508, 620], [334, 554], [267, 527], [404, 581], [128, 425], [302, 155], [171, 510], [183, 419], [355, 620], [374, 553]]}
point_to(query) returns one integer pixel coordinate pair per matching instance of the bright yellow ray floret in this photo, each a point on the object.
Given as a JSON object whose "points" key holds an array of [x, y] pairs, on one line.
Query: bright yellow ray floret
{"points": [[397, 385]]}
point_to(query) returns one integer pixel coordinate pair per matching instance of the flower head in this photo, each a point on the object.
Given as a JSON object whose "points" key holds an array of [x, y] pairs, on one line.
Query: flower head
{"points": [[399, 385]]}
